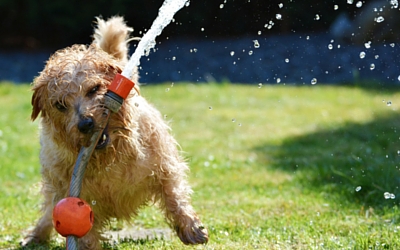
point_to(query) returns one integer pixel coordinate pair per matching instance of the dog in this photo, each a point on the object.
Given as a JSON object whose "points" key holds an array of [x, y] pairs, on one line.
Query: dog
{"points": [[136, 161]]}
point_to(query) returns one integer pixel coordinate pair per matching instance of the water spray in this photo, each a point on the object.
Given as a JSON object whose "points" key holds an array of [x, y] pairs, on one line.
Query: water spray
{"points": [[72, 217]]}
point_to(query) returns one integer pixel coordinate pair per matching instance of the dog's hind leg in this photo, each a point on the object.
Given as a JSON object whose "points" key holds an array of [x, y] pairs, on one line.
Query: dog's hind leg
{"points": [[91, 241]]}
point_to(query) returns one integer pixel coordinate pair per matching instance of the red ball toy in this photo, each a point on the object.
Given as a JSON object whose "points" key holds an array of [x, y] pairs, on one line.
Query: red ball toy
{"points": [[72, 216]]}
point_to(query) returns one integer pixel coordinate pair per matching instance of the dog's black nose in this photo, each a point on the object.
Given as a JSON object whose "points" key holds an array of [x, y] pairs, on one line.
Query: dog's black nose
{"points": [[86, 125]]}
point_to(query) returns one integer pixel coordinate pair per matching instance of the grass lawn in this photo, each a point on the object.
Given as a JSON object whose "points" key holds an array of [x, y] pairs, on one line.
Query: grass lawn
{"points": [[276, 167]]}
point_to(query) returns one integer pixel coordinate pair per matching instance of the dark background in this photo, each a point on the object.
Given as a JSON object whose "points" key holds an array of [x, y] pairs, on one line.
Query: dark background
{"points": [[38, 24], [199, 45]]}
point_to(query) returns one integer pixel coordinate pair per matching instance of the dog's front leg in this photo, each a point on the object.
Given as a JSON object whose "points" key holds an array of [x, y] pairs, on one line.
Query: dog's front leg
{"points": [[180, 213], [41, 233]]}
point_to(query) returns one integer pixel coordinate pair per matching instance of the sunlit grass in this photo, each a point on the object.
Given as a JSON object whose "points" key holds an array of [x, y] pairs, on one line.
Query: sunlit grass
{"points": [[276, 167]]}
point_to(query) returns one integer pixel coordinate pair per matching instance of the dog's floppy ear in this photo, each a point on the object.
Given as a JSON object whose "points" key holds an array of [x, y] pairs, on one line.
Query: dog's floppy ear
{"points": [[37, 98]]}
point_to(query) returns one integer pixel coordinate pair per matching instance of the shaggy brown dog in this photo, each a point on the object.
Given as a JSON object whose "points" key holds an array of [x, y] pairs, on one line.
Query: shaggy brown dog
{"points": [[136, 161]]}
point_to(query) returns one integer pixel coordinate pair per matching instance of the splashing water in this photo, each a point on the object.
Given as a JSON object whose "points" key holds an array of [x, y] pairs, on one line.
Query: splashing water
{"points": [[314, 81], [372, 66], [379, 19], [165, 15]]}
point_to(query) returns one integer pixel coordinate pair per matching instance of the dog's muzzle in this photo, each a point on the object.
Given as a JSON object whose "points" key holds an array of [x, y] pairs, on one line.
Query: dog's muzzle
{"points": [[86, 126]]}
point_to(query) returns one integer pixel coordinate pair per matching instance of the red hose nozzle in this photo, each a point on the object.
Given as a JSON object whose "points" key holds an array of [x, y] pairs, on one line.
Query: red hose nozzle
{"points": [[118, 91]]}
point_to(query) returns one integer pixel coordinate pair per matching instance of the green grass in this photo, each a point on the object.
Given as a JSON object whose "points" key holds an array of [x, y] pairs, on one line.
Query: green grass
{"points": [[277, 167]]}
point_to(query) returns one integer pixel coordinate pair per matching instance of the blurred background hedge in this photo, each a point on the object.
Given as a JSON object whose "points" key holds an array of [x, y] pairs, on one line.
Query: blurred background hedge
{"points": [[35, 24]]}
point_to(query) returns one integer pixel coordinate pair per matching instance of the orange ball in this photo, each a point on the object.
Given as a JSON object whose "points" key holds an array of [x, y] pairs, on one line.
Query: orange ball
{"points": [[72, 216]]}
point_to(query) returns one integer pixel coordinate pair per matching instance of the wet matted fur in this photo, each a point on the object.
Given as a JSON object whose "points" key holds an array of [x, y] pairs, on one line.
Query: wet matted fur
{"points": [[136, 161]]}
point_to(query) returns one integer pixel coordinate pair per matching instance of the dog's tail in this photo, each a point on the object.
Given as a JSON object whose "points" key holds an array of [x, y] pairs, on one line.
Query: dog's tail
{"points": [[113, 36]]}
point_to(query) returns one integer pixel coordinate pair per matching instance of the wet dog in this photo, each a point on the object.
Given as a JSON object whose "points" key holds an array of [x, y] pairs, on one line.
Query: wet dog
{"points": [[136, 161]]}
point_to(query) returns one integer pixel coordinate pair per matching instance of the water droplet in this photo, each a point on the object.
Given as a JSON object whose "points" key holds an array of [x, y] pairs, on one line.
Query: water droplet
{"points": [[394, 3], [372, 66], [398, 78], [389, 103], [317, 17], [278, 16], [392, 196], [330, 46], [362, 54], [260, 85], [256, 44], [359, 4], [202, 29], [286, 60], [232, 53], [173, 58], [314, 81], [250, 52], [278, 80], [210, 108], [350, 1], [233, 120], [358, 189], [367, 45], [379, 19], [398, 152], [392, 45], [94, 202], [259, 32], [221, 6], [376, 56], [239, 124], [167, 89], [335, 7], [280, 5]]}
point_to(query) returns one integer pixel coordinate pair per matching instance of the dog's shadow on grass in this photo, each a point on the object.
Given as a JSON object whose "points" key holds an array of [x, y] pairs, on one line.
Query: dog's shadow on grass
{"points": [[357, 162]]}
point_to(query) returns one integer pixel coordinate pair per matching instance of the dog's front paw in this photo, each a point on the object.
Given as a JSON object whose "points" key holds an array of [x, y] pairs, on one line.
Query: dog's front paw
{"points": [[31, 242], [192, 234]]}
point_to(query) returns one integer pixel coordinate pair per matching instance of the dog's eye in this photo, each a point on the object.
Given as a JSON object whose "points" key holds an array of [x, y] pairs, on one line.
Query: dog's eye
{"points": [[93, 90], [60, 106]]}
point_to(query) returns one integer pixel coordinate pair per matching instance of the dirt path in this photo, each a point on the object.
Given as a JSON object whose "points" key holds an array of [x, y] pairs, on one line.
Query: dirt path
{"points": [[137, 233]]}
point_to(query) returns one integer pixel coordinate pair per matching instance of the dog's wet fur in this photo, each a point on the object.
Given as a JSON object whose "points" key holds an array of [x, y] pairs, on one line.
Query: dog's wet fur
{"points": [[135, 163]]}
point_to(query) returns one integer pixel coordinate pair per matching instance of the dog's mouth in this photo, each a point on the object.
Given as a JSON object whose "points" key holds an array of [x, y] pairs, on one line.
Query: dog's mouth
{"points": [[104, 139]]}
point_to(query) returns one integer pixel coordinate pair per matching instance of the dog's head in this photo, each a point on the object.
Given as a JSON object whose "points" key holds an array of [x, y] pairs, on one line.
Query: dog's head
{"points": [[69, 94]]}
